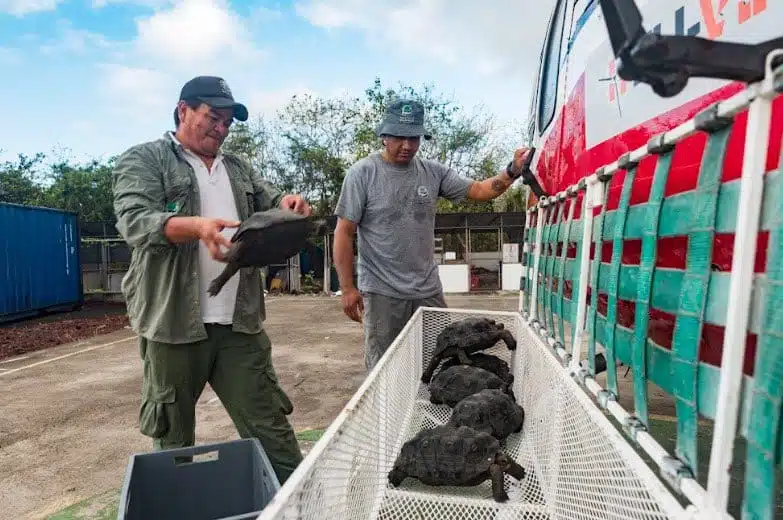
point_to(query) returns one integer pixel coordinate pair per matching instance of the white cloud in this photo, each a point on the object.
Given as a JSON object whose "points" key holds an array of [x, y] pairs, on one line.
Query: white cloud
{"points": [[23, 7], [195, 32], [500, 40], [9, 56], [176, 43], [97, 4], [74, 40], [267, 102], [141, 93]]}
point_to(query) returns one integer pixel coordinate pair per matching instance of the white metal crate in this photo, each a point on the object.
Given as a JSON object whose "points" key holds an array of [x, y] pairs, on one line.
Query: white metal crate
{"points": [[578, 465]]}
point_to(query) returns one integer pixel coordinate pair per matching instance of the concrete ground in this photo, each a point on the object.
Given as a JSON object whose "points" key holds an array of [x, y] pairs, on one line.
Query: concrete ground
{"points": [[69, 414]]}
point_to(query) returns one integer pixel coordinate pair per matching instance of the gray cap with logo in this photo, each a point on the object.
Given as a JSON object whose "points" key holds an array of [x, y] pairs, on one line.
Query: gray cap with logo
{"points": [[404, 118]]}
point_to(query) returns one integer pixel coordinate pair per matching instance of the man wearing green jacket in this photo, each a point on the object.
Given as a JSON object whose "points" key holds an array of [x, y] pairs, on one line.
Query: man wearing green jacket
{"points": [[176, 200]]}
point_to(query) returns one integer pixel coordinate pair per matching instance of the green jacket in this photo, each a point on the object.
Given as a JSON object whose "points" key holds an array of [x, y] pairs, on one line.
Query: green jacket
{"points": [[153, 182]]}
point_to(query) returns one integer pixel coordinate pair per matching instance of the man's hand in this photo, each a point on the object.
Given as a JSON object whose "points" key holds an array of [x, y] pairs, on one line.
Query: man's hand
{"points": [[209, 232], [519, 158], [353, 304], [296, 203]]}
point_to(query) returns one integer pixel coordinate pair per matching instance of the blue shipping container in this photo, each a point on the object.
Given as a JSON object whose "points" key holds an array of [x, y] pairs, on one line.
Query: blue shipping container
{"points": [[40, 268]]}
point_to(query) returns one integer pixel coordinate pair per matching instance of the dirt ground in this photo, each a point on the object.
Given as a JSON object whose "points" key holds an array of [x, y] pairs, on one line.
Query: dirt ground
{"points": [[69, 413]]}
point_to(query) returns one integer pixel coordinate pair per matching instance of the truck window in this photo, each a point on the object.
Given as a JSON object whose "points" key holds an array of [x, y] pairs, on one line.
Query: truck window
{"points": [[547, 100]]}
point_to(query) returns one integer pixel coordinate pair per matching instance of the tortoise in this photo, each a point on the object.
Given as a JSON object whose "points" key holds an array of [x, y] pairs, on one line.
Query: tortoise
{"points": [[466, 337], [448, 455], [452, 385], [266, 237], [491, 411], [486, 361]]}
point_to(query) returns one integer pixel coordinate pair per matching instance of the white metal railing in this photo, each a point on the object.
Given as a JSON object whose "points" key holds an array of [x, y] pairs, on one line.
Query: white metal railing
{"points": [[710, 503]]}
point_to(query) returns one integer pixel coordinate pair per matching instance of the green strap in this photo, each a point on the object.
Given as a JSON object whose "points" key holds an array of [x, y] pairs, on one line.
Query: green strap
{"points": [[541, 280], [592, 311], [645, 284], [554, 237], [764, 434], [614, 274], [576, 281], [561, 274], [527, 245], [693, 296], [529, 275]]}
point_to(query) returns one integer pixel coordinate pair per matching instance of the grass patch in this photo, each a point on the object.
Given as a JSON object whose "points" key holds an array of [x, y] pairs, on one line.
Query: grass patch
{"points": [[310, 435], [99, 507]]}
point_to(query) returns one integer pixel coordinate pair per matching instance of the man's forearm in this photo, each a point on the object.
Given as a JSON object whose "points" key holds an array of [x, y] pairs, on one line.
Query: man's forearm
{"points": [[182, 229], [343, 260], [491, 188]]}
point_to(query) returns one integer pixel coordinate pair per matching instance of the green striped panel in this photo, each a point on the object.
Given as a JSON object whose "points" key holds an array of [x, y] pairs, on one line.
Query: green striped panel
{"points": [[561, 272], [546, 295], [693, 296], [676, 210], [614, 278], [550, 270], [666, 285], [659, 359], [524, 282], [646, 272], [595, 279], [764, 433], [573, 273], [539, 280], [555, 269]]}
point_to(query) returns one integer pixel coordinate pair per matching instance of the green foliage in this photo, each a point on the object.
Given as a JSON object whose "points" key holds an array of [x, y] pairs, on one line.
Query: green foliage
{"points": [[306, 148]]}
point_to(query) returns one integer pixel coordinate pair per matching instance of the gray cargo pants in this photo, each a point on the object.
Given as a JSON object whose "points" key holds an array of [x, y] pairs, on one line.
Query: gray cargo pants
{"points": [[384, 318]]}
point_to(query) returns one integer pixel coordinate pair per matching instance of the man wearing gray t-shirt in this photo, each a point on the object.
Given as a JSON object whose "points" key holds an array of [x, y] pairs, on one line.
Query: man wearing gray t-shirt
{"points": [[390, 198]]}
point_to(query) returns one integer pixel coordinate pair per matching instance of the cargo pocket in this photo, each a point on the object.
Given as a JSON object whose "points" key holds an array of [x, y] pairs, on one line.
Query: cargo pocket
{"points": [[285, 403], [153, 420]]}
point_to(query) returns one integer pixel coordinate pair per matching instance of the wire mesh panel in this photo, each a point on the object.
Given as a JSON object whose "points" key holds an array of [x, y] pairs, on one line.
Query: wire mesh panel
{"points": [[577, 465]]}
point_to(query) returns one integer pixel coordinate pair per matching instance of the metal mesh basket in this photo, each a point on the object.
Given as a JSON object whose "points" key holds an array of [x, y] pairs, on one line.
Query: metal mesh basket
{"points": [[578, 465]]}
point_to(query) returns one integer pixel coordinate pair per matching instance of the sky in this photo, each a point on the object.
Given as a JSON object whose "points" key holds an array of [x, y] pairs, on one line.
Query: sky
{"points": [[86, 79]]}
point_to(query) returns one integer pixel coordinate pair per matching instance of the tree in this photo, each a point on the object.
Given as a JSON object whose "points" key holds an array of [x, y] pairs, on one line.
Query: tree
{"points": [[19, 181]]}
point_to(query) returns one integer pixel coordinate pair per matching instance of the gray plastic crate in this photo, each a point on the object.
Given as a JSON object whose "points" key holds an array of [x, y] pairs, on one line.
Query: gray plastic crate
{"points": [[234, 482]]}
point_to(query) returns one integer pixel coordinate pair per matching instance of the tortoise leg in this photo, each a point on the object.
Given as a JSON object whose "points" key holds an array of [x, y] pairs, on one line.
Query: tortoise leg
{"points": [[508, 339], [427, 375], [463, 357], [514, 469], [217, 284], [396, 476], [498, 491]]}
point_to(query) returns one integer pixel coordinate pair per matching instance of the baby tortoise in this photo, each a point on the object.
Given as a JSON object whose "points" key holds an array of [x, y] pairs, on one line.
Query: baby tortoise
{"points": [[264, 238], [491, 411], [486, 361], [455, 456], [454, 384], [466, 337]]}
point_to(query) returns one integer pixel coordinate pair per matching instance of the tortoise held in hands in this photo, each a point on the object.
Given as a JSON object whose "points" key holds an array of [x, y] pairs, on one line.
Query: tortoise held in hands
{"points": [[454, 384], [264, 238], [486, 361], [466, 337], [491, 411], [455, 456]]}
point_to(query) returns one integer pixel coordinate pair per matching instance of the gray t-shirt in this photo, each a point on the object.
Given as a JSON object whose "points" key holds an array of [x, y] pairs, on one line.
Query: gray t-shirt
{"points": [[394, 208]]}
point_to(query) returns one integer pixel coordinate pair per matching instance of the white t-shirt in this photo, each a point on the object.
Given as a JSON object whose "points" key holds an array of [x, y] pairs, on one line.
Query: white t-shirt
{"points": [[217, 201]]}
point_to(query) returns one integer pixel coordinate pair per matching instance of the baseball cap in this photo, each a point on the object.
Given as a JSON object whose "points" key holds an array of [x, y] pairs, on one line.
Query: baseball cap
{"points": [[404, 118], [213, 91]]}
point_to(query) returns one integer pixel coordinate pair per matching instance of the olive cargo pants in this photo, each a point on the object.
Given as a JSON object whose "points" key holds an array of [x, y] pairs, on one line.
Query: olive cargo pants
{"points": [[385, 317], [239, 369]]}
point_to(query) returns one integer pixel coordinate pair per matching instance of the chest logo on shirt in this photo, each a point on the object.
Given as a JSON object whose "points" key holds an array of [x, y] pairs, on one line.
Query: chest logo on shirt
{"points": [[422, 192]]}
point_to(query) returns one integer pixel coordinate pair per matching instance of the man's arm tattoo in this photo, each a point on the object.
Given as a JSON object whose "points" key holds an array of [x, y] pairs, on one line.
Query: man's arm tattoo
{"points": [[498, 186]]}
